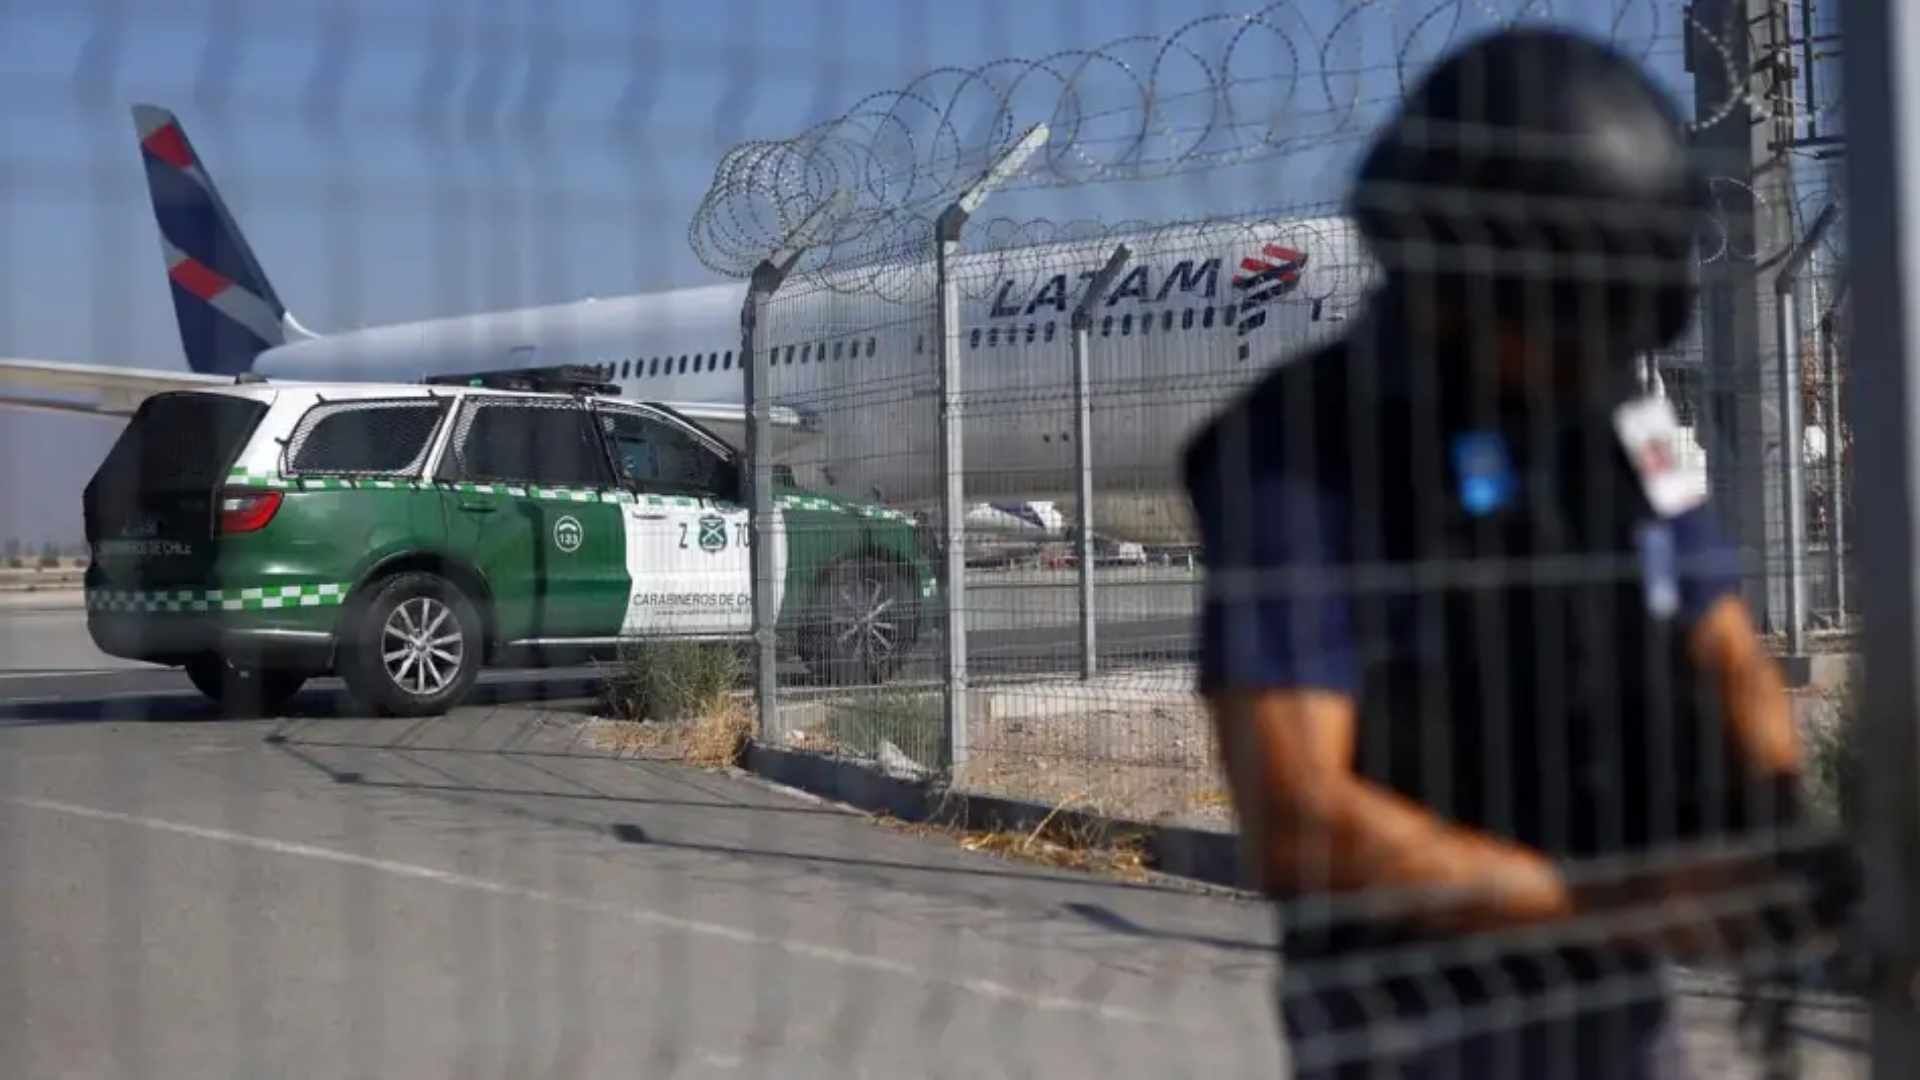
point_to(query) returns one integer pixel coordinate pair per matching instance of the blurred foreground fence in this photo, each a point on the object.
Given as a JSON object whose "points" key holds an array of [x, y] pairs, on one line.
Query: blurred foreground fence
{"points": [[957, 340]]}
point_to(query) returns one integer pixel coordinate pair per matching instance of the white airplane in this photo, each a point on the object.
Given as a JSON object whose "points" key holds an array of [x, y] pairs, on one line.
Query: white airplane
{"points": [[1193, 317]]}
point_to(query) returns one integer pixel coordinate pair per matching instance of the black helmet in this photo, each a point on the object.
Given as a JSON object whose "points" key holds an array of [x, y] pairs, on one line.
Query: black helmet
{"points": [[1547, 174]]}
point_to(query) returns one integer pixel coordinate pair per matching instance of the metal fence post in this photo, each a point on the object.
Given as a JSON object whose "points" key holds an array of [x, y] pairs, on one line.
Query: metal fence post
{"points": [[1083, 437], [1792, 470], [953, 431], [1883, 143], [1836, 471], [766, 280]]}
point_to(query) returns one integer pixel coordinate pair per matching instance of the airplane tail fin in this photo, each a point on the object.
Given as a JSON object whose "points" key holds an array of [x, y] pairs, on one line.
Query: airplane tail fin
{"points": [[226, 307]]}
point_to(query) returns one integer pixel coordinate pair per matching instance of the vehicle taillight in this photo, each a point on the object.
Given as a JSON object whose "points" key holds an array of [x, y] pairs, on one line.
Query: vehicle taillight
{"points": [[248, 511]]}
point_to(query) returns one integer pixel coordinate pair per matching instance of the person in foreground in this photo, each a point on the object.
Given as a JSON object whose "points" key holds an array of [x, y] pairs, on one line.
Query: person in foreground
{"points": [[1481, 677]]}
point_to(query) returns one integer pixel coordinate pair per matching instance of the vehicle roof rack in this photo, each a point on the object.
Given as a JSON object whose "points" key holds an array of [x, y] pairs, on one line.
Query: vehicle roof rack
{"points": [[579, 379]]}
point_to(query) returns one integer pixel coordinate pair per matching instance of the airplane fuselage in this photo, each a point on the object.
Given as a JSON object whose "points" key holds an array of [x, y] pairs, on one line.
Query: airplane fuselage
{"points": [[1184, 326]]}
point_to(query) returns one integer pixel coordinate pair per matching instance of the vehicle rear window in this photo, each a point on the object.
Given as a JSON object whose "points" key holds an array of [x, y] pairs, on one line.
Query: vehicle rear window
{"points": [[178, 442], [364, 437]]}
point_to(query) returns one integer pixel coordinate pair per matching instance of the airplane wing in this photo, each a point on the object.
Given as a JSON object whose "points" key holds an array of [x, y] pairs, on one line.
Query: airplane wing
{"points": [[90, 389]]}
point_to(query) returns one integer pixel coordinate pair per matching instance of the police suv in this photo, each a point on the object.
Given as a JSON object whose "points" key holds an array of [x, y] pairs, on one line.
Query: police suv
{"points": [[403, 536]]}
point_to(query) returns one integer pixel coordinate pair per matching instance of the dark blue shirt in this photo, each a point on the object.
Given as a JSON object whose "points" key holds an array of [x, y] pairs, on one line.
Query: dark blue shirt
{"points": [[1295, 629], [1486, 579]]}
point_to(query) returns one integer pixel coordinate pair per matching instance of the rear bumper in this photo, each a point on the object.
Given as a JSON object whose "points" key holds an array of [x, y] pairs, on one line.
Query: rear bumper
{"points": [[174, 638]]}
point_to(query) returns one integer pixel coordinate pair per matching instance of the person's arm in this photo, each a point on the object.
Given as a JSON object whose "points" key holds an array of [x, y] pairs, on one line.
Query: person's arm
{"points": [[1314, 826], [1758, 717]]}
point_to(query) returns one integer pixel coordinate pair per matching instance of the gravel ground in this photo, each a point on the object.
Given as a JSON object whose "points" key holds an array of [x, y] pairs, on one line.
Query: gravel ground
{"points": [[1149, 758]]}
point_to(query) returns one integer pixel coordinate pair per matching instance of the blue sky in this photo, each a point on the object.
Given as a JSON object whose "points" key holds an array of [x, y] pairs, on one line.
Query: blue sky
{"points": [[385, 161]]}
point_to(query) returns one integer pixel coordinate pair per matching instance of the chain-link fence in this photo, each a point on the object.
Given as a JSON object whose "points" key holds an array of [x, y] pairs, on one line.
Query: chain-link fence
{"points": [[1073, 480]]}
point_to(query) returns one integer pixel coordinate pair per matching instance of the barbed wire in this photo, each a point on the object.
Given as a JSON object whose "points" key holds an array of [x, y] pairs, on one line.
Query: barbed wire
{"points": [[1219, 91]]}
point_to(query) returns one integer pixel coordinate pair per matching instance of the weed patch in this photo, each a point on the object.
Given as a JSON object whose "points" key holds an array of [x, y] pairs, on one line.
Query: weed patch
{"points": [[914, 723], [676, 701]]}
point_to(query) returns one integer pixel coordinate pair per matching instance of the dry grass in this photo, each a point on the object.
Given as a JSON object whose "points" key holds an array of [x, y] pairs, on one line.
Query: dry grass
{"points": [[719, 736], [651, 740], [1054, 842], [715, 740], [674, 701]]}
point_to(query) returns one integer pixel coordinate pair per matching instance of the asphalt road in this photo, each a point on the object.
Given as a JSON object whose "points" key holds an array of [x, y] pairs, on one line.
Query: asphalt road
{"points": [[484, 895], [1020, 620]]}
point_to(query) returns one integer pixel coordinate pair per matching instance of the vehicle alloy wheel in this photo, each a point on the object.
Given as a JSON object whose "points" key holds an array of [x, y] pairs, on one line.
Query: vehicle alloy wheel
{"points": [[871, 619], [412, 645], [422, 646]]}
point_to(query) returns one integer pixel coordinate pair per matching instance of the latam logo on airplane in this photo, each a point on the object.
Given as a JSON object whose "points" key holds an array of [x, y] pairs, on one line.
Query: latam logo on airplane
{"points": [[1262, 279], [1273, 272], [1139, 285]]}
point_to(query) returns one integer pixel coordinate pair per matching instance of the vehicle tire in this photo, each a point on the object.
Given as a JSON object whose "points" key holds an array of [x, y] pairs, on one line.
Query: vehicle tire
{"points": [[864, 620], [413, 647], [243, 691]]}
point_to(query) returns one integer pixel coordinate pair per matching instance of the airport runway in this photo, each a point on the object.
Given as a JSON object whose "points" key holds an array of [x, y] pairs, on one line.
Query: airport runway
{"points": [[1018, 622]]}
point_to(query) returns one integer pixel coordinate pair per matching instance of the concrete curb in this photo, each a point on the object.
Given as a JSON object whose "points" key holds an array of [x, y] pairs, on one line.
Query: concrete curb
{"points": [[1179, 851]]}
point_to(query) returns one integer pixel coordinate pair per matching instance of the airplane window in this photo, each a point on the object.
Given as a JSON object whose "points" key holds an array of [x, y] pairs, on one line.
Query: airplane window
{"points": [[1049, 331], [1186, 319], [1106, 326], [1031, 331], [806, 352], [700, 361], [1206, 319], [789, 354], [1146, 323], [836, 349], [1166, 320], [653, 367], [870, 348], [993, 338], [919, 344], [727, 364], [683, 363], [1126, 324], [973, 339]]}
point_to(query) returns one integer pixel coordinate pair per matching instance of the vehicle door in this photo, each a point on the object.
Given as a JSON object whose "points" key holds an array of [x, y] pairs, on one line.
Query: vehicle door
{"points": [[531, 505], [687, 532]]}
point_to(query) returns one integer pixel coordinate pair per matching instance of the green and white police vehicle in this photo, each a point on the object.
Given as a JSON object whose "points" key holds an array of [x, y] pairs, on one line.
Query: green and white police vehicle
{"points": [[404, 536]]}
